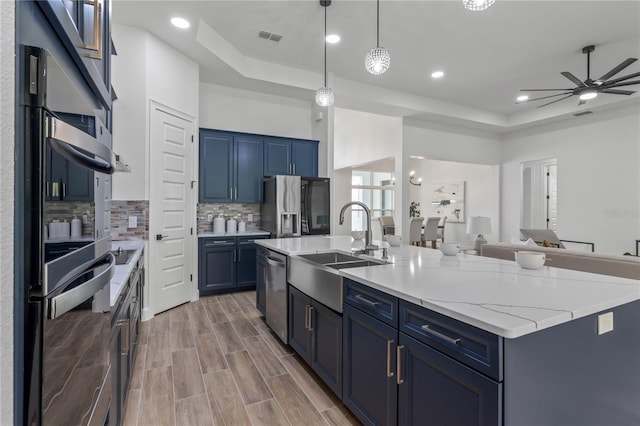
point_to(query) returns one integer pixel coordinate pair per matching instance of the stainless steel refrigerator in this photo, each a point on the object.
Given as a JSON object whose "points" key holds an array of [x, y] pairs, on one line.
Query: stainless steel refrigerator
{"points": [[295, 206]]}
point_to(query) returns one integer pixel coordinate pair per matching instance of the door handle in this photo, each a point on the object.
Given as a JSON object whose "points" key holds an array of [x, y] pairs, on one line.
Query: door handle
{"points": [[160, 237], [389, 344], [399, 380]]}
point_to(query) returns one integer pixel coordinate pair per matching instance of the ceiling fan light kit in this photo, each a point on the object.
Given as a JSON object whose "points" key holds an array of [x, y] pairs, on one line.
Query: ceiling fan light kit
{"points": [[477, 5], [589, 89], [324, 95], [378, 59]]}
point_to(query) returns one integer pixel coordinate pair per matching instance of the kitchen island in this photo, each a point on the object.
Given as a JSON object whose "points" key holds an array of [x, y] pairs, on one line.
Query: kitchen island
{"points": [[547, 346]]}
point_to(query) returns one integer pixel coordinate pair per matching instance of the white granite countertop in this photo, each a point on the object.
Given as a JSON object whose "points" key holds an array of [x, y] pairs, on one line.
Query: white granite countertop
{"points": [[492, 294], [122, 272], [68, 240], [233, 234]]}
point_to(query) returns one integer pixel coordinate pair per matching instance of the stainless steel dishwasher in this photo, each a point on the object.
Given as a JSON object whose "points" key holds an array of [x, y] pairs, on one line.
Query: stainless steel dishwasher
{"points": [[276, 292]]}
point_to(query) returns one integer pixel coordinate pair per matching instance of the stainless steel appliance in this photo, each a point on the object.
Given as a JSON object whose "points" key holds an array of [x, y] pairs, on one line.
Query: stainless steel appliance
{"points": [[67, 320], [276, 291], [295, 206]]}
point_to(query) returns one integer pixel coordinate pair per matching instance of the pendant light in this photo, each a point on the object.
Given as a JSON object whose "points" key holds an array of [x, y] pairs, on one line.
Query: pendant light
{"points": [[324, 95], [378, 59], [477, 5]]}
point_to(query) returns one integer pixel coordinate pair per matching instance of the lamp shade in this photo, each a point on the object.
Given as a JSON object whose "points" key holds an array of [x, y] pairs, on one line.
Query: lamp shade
{"points": [[478, 225]]}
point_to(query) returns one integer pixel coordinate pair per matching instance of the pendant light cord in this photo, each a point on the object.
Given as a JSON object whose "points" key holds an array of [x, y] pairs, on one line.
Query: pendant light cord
{"points": [[378, 23], [325, 46]]}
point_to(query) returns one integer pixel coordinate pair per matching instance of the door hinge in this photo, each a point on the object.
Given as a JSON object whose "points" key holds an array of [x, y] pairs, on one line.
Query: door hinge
{"points": [[191, 277]]}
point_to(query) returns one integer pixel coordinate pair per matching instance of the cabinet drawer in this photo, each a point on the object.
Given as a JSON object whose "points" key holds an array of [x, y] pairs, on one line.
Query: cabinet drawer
{"points": [[219, 242], [249, 241], [470, 345], [376, 303]]}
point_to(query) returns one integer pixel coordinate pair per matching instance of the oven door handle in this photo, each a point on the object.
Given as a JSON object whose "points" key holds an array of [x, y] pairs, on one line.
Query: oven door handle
{"points": [[64, 302], [65, 138]]}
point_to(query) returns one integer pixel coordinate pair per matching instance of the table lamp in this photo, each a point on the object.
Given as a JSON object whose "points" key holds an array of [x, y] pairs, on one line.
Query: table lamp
{"points": [[478, 225]]}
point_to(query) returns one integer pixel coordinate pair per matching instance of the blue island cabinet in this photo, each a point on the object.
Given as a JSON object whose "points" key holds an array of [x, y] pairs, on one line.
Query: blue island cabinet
{"points": [[284, 156], [315, 333]]}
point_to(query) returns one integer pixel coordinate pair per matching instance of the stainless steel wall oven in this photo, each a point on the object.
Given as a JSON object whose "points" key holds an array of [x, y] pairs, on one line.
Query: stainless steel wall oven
{"points": [[67, 313]]}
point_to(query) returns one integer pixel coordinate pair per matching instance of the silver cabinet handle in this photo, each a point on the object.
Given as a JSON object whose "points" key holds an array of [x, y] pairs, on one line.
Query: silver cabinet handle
{"points": [[389, 344], [310, 318], [367, 301], [127, 344], [46, 189], [64, 190], [221, 242], [399, 380], [236, 197], [440, 335], [306, 316], [231, 193], [294, 168], [55, 191]]}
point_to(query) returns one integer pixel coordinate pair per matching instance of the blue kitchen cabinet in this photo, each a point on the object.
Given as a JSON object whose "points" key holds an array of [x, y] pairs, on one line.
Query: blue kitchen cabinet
{"points": [[283, 156], [315, 333], [230, 167], [216, 167], [246, 261], [216, 264], [435, 389], [369, 363]]}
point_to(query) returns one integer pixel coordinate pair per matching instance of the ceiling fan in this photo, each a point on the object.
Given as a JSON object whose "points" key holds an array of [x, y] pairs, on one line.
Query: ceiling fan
{"points": [[589, 88]]}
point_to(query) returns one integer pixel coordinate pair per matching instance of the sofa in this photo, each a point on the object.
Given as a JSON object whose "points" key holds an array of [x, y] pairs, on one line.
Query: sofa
{"points": [[618, 266]]}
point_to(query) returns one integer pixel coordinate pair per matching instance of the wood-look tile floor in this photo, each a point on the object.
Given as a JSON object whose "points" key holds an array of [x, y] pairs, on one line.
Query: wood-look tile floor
{"points": [[215, 362]]}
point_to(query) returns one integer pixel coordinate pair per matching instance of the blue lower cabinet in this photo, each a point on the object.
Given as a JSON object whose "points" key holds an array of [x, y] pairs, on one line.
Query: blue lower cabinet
{"points": [[435, 389], [246, 263], [326, 345], [299, 334], [369, 362]]}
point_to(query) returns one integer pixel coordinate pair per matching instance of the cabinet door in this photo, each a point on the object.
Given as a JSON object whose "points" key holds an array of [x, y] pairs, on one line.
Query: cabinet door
{"points": [[277, 157], [246, 263], [217, 266], [326, 345], [432, 381], [248, 169], [299, 334], [304, 156], [369, 356], [216, 168], [261, 286]]}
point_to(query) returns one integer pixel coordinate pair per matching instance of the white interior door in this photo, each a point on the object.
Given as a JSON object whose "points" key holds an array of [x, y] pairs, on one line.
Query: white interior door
{"points": [[171, 205]]}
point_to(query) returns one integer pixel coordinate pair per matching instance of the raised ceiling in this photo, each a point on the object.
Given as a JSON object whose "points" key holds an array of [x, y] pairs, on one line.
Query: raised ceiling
{"points": [[486, 56]]}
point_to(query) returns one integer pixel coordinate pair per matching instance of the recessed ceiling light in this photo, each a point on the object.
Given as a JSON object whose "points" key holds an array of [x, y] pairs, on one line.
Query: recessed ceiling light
{"points": [[437, 74], [333, 38], [180, 22], [522, 98]]}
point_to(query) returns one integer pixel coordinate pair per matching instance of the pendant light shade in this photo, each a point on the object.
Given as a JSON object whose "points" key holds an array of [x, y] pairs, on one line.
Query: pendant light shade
{"points": [[378, 59], [477, 5], [324, 95]]}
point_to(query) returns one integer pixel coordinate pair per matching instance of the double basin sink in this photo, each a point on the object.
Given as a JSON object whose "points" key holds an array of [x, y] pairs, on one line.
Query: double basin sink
{"points": [[317, 275]]}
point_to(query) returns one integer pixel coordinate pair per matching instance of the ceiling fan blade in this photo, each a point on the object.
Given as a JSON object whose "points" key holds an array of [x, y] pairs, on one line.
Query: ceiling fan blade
{"points": [[573, 78], [542, 90], [618, 92], [617, 69], [557, 100], [545, 97], [626, 77], [624, 83]]}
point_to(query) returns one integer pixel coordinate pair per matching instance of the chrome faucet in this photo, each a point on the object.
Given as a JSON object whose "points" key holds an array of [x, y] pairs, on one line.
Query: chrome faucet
{"points": [[368, 248]]}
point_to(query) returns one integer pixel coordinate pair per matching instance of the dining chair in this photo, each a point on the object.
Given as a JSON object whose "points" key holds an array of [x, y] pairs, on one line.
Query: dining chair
{"points": [[441, 229], [415, 231], [388, 225], [431, 231]]}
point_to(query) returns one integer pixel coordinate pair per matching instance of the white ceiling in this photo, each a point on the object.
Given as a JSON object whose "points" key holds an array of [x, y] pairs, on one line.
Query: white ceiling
{"points": [[487, 56]]}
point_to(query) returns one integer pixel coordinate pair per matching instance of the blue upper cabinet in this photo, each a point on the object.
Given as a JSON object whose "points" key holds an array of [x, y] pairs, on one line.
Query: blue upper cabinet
{"points": [[248, 169], [284, 156], [230, 167], [216, 166]]}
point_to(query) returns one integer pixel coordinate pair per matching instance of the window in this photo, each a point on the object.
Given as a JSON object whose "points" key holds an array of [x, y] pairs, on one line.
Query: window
{"points": [[375, 190]]}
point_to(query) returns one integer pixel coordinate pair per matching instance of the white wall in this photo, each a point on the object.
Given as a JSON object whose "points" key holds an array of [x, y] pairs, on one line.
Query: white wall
{"points": [[598, 177], [362, 138], [145, 69], [7, 136]]}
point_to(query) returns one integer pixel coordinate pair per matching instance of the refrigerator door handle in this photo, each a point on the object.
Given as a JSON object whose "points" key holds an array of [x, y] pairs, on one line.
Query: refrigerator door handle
{"points": [[64, 302]]}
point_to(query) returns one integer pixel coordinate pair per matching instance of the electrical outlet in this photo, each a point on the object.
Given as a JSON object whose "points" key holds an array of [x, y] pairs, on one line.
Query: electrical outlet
{"points": [[605, 323], [133, 221], [209, 217], [249, 217]]}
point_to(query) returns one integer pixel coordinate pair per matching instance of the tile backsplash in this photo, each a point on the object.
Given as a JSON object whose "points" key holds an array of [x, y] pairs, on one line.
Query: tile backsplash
{"points": [[228, 210], [121, 210], [67, 210]]}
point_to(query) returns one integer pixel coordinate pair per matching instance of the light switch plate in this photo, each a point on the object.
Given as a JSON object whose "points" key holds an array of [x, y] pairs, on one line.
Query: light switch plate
{"points": [[605, 323], [209, 217], [133, 221]]}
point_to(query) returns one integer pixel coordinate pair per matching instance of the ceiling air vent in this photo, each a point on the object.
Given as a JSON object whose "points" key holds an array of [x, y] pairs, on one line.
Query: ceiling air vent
{"points": [[582, 113], [269, 35]]}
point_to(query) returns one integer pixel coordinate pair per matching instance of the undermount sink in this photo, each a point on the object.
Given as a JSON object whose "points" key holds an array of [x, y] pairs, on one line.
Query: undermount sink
{"points": [[317, 275], [122, 256]]}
